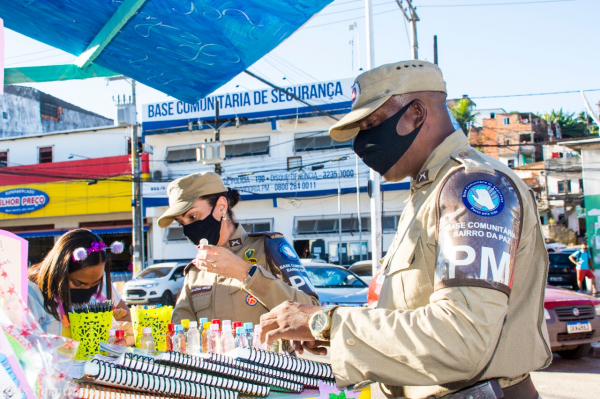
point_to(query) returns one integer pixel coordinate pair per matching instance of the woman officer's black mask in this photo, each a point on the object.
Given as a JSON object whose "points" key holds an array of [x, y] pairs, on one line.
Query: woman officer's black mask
{"points": [[381, 146], [209, 228]]}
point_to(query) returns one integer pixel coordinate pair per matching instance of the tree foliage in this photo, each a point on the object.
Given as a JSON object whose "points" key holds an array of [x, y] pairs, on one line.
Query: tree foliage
{"points": [[463, 113], [570, 125]]}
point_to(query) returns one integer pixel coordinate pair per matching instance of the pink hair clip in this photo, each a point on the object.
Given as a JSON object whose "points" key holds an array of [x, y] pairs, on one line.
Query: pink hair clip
{"points": [[82, 253]]}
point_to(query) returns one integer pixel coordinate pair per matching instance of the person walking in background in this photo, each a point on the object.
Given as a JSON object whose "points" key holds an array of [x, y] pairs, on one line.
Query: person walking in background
{"points": [[585, 267]]}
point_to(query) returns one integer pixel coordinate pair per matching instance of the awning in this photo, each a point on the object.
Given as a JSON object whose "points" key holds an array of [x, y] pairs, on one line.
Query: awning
{"points": [[54, 233], [184, 48]]}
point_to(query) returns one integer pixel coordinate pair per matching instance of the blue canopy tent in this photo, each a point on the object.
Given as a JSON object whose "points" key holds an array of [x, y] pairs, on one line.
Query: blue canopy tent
{"points": [[184, 48]]}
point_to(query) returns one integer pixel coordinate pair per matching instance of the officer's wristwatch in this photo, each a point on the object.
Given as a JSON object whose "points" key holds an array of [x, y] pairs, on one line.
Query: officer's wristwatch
{"points": [[320, 323]]}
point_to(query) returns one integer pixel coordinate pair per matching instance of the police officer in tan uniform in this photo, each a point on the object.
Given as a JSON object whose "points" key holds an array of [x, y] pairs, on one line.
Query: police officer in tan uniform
{"points": [[460, 310], [237, 276]]}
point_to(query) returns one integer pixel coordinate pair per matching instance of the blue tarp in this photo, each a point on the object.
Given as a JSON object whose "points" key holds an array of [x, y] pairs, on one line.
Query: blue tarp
{"points": [[184, 48]]}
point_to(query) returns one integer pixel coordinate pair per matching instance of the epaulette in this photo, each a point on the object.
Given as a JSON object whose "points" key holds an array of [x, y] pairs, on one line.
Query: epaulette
{"points": [[269, 234], [473, 162]]}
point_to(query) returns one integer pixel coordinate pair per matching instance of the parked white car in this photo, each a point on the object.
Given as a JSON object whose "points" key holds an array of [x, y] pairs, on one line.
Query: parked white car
{"points": [[555, 247], [160, 283]]}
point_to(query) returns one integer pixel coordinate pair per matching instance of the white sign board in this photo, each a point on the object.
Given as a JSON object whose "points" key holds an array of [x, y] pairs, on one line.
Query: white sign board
{"points": [[255, 104]]}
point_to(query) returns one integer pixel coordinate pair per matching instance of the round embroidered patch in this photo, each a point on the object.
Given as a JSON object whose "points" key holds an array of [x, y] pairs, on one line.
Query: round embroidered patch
{"points": [[483, 198], [287, 250], [251, 301]]}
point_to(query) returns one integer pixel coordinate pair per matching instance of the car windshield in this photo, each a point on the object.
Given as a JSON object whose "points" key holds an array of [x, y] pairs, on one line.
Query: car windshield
{"points": [[155, 272], [559, 259], [329, 277]]}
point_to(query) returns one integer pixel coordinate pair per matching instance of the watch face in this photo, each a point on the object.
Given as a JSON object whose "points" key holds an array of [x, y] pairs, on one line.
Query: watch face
{"points": [[319, 322]]}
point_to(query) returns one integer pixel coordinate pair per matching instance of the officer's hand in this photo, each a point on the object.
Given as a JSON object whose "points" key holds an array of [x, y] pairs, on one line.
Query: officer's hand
{"points": [[314, 347], [221, 261], [287, 321]]}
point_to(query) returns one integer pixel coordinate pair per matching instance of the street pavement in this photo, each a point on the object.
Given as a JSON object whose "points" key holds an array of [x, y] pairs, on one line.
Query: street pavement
{"points": [[569, 379]]}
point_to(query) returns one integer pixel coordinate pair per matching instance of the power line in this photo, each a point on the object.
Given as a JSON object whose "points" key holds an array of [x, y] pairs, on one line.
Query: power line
{"points": [[493, 4], [534, 94]]}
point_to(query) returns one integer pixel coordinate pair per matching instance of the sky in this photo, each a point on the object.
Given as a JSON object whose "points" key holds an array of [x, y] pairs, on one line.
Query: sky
{"points": [[486, 48]]}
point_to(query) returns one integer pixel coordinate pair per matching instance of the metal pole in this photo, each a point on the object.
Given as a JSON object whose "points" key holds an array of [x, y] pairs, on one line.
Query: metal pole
{"points": [[358, 210], [413, 39], [339, 213], [218, 167], [376, 239], [137, 233], [435, 51]]}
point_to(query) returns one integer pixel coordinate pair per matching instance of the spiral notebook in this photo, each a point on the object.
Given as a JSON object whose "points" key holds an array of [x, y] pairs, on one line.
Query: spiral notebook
{"points": [[88, 391], [110, 374]]}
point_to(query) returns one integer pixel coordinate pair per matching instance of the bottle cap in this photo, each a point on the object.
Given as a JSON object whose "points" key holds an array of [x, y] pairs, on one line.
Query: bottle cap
{"points": [[120, 334], [206, 325], [178, 328], [248, 326], [236, 324], [216, 321], [214, 327], [239, 330], [111, 332], [172, 327], [202, 321], [147, 330], [185, 323], [193, 324], [226, 322]]}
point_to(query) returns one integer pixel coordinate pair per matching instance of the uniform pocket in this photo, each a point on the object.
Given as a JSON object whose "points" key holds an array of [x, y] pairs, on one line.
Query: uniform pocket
{"points": [[405, 254], [201, 301]]}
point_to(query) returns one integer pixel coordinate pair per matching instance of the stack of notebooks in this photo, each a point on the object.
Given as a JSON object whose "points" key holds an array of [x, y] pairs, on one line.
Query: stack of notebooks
{"points": [[241, 372]]}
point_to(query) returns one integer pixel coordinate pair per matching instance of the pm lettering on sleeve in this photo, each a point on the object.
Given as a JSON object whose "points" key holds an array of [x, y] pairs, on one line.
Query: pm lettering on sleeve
{"points": [[479, 224]]}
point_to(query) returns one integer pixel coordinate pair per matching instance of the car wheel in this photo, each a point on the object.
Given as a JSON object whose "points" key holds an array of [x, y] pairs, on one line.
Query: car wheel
{"points": [[576, 353], [167, 298]]}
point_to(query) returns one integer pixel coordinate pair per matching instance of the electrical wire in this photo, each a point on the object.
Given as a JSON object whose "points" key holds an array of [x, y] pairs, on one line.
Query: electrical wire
{"points": [[493, 4]]}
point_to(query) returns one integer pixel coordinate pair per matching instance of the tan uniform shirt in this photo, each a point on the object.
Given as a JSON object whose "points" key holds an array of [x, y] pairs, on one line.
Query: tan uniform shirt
{"points": [[209, 295], [433, 328]]}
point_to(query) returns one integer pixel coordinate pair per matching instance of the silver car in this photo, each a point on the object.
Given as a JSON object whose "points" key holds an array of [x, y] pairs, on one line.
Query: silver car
{"points": [[336, 285], [160, 283]]}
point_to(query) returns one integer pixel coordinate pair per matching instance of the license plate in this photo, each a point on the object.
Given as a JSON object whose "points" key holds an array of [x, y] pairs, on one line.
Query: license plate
{"points": [[555, 278], [133, 296], [579, 326]]}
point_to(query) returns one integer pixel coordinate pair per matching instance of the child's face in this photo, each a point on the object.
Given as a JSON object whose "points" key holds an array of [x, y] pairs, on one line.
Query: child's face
{"points": [[86, 278]]}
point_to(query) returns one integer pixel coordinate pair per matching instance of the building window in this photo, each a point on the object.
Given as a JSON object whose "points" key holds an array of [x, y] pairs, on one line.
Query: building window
{"points": [[50, 111], [247, 147], [5, 115], [45, 155], [175, 233], [330, 225], [317, 141], [3, 158], [389, 223], [511, 163], [294, 163], [506, 121], [564, 186], [140, 145], [257, 226], [178, 154], [581, 186]]}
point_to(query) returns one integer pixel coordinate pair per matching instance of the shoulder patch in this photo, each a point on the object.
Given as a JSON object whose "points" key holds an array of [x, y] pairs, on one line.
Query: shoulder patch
{"points": [[478, 221]]}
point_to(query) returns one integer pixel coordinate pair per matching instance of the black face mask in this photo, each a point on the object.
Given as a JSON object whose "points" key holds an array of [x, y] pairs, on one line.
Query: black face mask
{"points": [[83, 295], [381, 146], [209, 228]]}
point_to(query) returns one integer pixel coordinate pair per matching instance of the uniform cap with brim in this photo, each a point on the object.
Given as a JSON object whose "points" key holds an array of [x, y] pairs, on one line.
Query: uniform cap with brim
{"points": [[373, 88], [185, 191]]}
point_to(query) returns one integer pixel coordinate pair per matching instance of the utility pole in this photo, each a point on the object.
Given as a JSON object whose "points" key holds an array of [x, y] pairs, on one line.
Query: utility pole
{"points": [[410, 13], [435, 52], [339, 212], [127, 116], [375, 191]]}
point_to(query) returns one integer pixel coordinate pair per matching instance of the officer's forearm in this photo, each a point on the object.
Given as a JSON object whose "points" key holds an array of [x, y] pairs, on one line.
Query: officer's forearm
{"points": [[455, 336], [271, 291]]}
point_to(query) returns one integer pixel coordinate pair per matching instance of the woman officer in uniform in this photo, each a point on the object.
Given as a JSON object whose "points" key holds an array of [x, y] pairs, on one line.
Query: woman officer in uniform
{"points": [[237, 276]]}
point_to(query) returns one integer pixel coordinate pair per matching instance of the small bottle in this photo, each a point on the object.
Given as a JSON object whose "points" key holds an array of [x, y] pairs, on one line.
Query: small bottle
{"points": [[179, 343], [193, 339], [217, 322], [235, 325], [169, 337], [214, 339], [120, 338], [111, 337], [240, 340], [249, 334], [186, 326], [204, 336], [147, 341], [256, 339], [227, 339]]}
